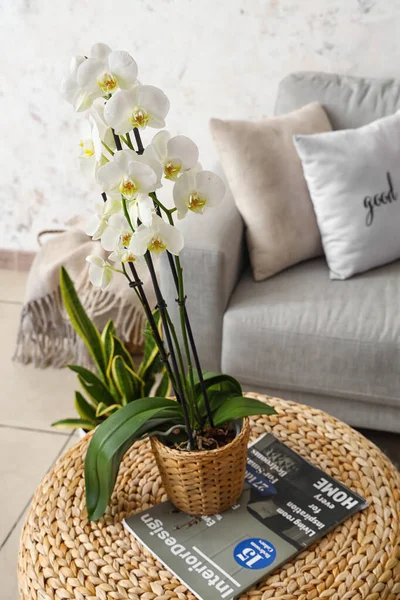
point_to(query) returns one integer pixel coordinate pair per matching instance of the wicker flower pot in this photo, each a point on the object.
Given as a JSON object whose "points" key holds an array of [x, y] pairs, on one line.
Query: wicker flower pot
{"points": [[204, 483]]}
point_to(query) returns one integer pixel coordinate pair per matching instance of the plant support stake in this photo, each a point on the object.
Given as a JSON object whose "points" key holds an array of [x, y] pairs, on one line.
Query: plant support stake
{"points": [[149, 315], [117, 140], [189, 329], [138, 284], [161, 304], [192, 344], [138, 139]]}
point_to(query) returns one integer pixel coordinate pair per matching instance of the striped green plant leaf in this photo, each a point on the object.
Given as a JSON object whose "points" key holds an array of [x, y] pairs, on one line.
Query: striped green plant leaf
{"points": [[74, 424], [129, 385], [84, 409], [106, 411], [151, 364], [120, 350], [164, 386], [81, 322], [107, 338], [99, 408], [93, 385]]}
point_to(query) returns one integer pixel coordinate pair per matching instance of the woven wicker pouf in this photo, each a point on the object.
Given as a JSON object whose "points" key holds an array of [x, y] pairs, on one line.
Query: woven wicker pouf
{"points": [[64, 556]]}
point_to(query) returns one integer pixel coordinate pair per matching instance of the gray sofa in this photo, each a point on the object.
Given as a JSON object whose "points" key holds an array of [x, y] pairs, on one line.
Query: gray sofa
{"points": [[298, 335]]}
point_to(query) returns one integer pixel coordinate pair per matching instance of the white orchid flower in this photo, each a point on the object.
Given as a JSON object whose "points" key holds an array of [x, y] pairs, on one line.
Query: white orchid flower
{"points": [[105, 71], [143, 106], [158, 237], [175, 154], [96, 112], [97, 223], [197, 190], [100, 271], [93, 132], [117, 231], [128, 174], [70, 89], [141, 210], [91, 148], [124, 255]]}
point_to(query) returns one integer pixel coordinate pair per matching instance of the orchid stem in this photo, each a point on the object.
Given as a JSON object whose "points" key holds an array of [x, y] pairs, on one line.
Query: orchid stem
{"points": [[173, 373], [138, 139], [137, 285], [130, 281], [179, 354], [117, 141], [161, 304], [127, 215], [186, 327], [160, 204], [129, 141], [108, 148]]}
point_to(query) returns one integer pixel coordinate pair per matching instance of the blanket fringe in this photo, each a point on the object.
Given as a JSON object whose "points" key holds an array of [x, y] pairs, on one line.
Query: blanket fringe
{"points": [[46, 337]]}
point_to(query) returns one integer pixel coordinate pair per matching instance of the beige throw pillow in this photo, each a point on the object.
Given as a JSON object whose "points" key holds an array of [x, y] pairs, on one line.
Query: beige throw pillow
{"points": [[266, 177]]}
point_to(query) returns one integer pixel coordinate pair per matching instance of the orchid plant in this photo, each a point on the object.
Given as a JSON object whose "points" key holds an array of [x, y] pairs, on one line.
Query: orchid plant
{"points": [[134, 225]]}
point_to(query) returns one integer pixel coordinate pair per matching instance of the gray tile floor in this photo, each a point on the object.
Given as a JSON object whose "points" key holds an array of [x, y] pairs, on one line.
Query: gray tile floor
{"points": [[31, 399]]}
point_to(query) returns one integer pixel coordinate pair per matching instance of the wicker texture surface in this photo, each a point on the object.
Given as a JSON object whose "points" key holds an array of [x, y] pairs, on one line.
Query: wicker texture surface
{"points": [[62, 555], [203, 483]]}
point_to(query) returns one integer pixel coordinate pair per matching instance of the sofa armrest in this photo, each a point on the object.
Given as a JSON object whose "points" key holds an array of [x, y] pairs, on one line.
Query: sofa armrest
{"points": [[212, 260]]}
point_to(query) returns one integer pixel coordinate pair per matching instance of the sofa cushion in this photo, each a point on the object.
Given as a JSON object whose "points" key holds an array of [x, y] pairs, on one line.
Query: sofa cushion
{"points": [[348, 101], [353, 177], [301, 331], [265, 175]]}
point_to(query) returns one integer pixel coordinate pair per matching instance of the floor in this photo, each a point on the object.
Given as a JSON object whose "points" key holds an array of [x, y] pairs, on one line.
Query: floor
{"points": [[31, 400]]}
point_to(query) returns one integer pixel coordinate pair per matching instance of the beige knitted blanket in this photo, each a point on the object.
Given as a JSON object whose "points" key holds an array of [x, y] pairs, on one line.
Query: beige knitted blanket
{"points": [[45, 336]]}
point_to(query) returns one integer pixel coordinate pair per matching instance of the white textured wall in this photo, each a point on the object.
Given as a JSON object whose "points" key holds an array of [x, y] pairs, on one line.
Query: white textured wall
{"points": [[219, 58]]}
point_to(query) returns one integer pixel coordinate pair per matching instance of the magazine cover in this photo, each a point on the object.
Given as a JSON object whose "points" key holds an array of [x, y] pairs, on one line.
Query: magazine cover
{"points": [[286, 505]]}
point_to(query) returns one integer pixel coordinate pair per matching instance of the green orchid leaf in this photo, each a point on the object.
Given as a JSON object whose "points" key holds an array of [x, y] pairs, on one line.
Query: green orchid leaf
{"points": [[218, 398], [93, 385], [74, 424], [81, 322], [219, 387], [206, 375], [110, 443], [239, 407], [127, 382], [112, 439], [107, 338], [220, 382], [120, 350], [84, 409]]}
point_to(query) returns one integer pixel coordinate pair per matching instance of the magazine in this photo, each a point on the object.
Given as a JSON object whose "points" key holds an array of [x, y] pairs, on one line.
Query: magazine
{"points": [[286, 505]]}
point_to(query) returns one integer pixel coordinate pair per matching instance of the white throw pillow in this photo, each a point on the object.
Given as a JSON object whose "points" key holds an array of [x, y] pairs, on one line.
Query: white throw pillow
{"points": [[353, 177]]}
